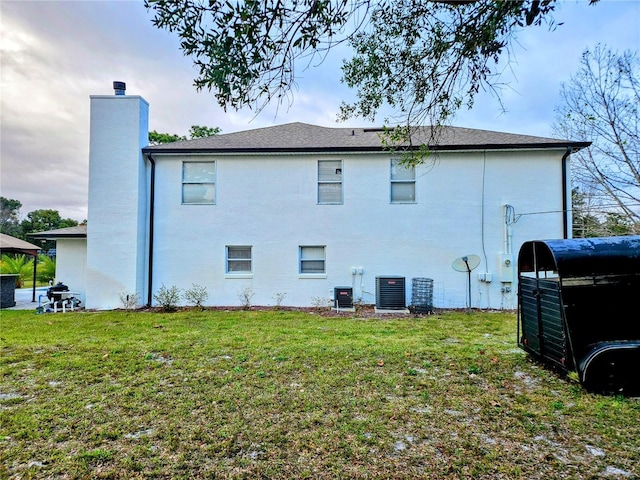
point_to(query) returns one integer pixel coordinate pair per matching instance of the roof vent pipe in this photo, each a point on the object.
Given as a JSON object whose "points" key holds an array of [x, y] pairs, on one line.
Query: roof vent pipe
{"points": [[119, 88]]}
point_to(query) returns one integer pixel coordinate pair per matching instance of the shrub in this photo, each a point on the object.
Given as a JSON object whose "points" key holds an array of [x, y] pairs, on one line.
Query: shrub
{"points": [[196, 295], [321, 304], [245, 296], [279, 297], [129, 300], [168, 298]]}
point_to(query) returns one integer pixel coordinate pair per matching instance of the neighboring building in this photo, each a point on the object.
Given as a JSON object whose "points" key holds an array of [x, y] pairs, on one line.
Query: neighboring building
{"points": [[296, 210], [71, 255]]}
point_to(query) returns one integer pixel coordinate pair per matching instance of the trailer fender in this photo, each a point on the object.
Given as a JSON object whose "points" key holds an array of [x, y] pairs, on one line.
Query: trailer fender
{"points": [[612, 367]]}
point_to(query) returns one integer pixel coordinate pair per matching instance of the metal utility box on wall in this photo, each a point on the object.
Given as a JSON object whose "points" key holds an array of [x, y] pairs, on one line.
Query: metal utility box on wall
{"points": [[576, 300], [390, 293], [343, 297]]}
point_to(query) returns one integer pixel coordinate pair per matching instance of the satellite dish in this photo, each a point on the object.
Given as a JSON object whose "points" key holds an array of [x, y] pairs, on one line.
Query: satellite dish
{"points": [[466, 263]]}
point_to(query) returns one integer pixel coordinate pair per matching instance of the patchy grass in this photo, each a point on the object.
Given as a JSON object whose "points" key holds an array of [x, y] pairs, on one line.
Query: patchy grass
{"points": [[284, 394]]}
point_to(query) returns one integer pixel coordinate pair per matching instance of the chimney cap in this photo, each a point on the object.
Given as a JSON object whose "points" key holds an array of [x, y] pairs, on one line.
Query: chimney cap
{"points": [[119, 87]]}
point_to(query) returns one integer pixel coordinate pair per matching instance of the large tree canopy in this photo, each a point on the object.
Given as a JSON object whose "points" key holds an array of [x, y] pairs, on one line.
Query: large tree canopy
{"points": [[36, 221], [10, 216], [42, 221], [423, 58], [601, 104]]}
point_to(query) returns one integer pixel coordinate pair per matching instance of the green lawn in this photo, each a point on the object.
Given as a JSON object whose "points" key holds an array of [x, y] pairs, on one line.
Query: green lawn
{"points": [[288, 395]]}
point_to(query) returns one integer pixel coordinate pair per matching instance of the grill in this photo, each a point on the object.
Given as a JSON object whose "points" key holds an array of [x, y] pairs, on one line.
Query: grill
{"points": [[54, 293]]}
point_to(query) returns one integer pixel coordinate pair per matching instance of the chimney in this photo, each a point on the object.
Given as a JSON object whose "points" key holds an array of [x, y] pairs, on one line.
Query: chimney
{"points": [[119, 88], [118, 177]]}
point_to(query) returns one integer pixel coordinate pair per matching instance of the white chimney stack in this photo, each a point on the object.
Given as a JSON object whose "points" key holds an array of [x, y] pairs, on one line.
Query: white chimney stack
{"points": [[116, 237]]}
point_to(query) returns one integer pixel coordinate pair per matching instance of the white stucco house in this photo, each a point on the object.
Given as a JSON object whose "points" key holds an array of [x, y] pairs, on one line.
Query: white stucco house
{"points": [[294, 211]]}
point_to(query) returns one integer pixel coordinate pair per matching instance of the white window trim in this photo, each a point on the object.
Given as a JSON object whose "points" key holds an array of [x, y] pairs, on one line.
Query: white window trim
{"points": [[301, 274], [392, 181], [240, 274], [214, 183], [324, 182]]}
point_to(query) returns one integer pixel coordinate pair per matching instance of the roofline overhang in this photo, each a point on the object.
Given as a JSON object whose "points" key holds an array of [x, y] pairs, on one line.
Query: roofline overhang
{"points": [[439, 148], [28, 251], [57, 236]]}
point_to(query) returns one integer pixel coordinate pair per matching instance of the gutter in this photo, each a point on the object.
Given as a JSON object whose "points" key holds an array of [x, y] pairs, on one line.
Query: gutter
{"points": [[565, 205], [152, 195], [356, 149]]}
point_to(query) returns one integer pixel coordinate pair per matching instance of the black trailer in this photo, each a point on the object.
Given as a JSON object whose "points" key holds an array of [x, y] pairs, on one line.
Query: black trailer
{"points": [[578, 309]]}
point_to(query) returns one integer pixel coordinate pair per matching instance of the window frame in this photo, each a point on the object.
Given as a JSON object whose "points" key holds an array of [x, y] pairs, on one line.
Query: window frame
{"points": [[321, 182], [212, 182], [227, 258], [394, 163], [301, 260]]}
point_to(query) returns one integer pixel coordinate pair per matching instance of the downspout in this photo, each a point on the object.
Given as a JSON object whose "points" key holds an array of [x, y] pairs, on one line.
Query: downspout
{"points": [[151, 214], [565, 204]]}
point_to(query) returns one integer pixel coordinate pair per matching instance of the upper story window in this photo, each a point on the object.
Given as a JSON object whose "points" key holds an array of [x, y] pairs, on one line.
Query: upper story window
{"points": [[199, 182], [330, 181], [312, 259], [403, 183], [238, 259]]}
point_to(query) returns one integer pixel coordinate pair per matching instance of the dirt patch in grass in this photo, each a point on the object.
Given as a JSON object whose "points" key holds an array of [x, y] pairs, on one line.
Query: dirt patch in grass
{"points": [[282, 394]]}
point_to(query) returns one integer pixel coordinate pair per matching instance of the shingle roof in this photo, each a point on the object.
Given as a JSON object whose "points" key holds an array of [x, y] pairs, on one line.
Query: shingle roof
{"points": [[302, 137], [79, 231], [10, 244]]}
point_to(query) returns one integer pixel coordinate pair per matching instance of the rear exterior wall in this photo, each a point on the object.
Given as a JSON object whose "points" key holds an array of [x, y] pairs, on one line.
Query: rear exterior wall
{"points": [[270, 203]]}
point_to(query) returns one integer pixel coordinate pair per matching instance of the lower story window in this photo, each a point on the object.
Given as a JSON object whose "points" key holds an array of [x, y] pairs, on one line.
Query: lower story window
{"points": [[312, 259], [238, 259]]}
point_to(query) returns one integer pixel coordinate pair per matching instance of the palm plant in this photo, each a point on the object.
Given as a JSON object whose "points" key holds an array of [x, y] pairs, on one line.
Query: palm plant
{"points": [[17, 264], [46, 269]]}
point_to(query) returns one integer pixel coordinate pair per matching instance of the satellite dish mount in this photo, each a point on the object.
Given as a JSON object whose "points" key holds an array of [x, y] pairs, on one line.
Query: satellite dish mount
{"points": [[466, 263]]}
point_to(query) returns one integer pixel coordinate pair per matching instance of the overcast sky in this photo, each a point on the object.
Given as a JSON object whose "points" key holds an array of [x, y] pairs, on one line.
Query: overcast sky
{"points": [[54, 55]]}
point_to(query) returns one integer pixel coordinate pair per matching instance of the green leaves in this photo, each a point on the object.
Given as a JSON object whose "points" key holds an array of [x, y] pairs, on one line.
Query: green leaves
{"points": [[424, 58], [245, 51], [427, 59], [156, 138], [17, 264], [196, 131]]}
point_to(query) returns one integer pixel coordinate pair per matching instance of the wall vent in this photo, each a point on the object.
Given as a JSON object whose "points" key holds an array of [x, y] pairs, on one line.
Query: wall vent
{"points": [[390, 293]]}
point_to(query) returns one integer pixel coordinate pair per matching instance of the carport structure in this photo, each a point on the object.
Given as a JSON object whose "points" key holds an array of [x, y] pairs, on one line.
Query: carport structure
{"points": [[9, 244], [577, 309]]}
